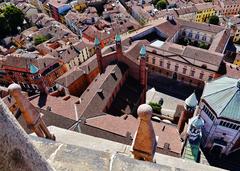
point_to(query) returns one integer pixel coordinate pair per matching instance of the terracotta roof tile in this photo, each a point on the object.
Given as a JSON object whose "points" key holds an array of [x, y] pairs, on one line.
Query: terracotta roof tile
{"points": [[96, 96], [167, 133], [64, 106]]}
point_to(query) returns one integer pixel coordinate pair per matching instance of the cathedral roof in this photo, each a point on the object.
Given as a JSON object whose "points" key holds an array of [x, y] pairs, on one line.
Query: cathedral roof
{"points": [[223, 96]]}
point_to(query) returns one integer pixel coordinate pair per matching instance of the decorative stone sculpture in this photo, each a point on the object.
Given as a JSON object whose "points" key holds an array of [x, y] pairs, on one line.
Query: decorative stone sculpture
{"points": [[30, 114], [16, 150], [144, 144]]}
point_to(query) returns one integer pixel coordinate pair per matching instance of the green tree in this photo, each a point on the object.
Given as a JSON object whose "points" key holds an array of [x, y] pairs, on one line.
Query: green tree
{"points": [[40, 39], [161, 4], [155, 2], [203, 45], [14, 17], [156, 107], [214, 20], [4, 28]]}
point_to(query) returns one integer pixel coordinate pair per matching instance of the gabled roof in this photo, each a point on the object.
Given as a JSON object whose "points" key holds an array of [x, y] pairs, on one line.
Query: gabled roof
{"points": [[70, 77], [96, 96], [127, 124], [223, 96]]}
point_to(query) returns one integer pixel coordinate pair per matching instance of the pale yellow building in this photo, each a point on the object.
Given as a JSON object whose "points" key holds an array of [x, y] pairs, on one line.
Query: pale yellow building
{"points": [[204, 12]]}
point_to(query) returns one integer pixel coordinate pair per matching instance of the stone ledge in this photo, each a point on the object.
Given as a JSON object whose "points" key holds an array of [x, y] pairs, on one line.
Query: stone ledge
{"points": [[78, 151], [69, 157]]}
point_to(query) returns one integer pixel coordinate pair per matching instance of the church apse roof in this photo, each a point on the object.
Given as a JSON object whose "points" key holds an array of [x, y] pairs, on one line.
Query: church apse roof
{"points": [[223, 96]]}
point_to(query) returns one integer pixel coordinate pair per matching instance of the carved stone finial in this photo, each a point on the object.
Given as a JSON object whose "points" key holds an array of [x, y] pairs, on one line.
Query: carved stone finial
{"points": [[144, 144], [30, 113]]}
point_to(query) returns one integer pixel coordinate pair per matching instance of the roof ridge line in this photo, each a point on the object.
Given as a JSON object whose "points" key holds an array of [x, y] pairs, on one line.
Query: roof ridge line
{"points": [[228, 103], [219, 91]]}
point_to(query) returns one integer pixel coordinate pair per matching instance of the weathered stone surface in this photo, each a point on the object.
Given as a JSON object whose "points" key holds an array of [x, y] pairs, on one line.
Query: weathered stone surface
{"points": [[83, 140], [16, 151], [108, 157], [71, 157], [124, 163]]}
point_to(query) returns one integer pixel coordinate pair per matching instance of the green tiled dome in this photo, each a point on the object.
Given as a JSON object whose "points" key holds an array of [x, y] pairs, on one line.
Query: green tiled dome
{"points": [[223, 96]]}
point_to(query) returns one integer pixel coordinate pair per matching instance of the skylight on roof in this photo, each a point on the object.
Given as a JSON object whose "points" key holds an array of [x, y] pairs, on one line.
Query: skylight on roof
{"points": [[157, 43]]}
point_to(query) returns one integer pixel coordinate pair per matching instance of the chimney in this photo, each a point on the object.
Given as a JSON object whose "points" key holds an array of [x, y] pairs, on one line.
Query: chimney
{"points": [[143, 72], [99, 55], [189, 108], [30, 114], [118, 46], [144, 143]]}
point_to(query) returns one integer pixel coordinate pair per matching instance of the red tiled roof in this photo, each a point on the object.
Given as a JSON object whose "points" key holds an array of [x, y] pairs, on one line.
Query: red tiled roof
{"points": [[167, 133], [64, 106], [232, 70]]}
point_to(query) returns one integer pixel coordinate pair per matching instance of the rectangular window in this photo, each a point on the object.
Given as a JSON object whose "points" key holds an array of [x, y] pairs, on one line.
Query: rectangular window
{"points": [[153, 60], [221, 123], [210, 115], [190, 34], [168, 65], [184, 70], [201, 76], [192, 73], [160, 63], [176, 68]]}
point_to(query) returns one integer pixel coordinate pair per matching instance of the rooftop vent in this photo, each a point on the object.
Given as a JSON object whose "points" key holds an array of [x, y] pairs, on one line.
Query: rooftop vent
{"points": [[113, 74], [100, 93]]}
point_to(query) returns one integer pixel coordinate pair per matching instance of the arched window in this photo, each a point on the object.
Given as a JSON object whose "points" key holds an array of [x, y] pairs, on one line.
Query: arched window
{"points": [[197, 36], [204, 38]]}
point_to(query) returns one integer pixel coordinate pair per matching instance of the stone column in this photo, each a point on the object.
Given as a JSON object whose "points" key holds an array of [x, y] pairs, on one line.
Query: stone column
{"points": [[17, 153], [144, 144]]}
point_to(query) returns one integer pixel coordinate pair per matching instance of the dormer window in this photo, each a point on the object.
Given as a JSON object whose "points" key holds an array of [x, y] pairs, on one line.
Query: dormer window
{"points": [[100, 93], [153, 60]]}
